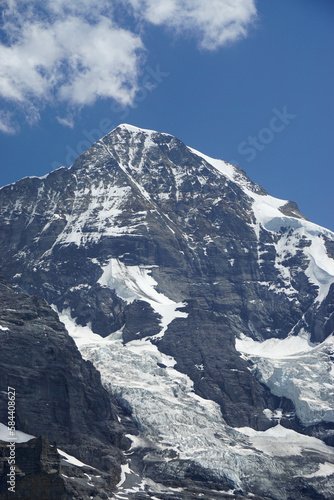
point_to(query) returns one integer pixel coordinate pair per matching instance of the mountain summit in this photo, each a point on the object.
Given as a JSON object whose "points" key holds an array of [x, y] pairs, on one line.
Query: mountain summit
{"points": [[205, 303]]}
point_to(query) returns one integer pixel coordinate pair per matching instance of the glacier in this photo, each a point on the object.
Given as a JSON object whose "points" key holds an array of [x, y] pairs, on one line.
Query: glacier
{"points": [[295, 368], [180, 425]]}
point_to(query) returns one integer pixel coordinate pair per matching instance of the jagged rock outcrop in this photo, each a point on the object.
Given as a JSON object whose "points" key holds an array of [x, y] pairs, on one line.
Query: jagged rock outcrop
{"points": [[37, 475], [58, 394]]}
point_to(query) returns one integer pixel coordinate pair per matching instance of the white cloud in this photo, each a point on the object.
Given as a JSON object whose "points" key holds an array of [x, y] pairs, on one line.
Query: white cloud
{"points": [[66, 121], [75, 53], [213, 23], [104, 61], [6, 123], [70, 53]]}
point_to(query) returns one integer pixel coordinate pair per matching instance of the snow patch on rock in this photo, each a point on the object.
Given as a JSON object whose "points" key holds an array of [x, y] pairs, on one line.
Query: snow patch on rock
{"points": [[18, 436], [298, 370], [135, 283]]}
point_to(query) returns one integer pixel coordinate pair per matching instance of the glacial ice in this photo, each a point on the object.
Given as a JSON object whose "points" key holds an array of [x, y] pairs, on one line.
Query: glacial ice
{"points": [[174, 419], [298, 370]]}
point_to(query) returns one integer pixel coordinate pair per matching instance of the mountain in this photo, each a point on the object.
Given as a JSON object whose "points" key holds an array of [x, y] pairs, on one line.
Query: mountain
{"points": [[205, 304]]}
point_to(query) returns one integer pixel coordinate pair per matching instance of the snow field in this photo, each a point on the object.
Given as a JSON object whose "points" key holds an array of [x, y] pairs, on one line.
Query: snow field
{"points": [[298, 370]]}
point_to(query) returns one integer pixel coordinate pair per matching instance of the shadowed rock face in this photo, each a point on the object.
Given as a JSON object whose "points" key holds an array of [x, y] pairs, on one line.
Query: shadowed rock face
{"points": [[140, 206], [38, 472], [42, 474], [58, 394]]}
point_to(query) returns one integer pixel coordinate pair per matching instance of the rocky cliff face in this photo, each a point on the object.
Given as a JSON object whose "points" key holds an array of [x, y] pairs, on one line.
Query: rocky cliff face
{"points": [[58, 395], [38, 472], [199, 285]]}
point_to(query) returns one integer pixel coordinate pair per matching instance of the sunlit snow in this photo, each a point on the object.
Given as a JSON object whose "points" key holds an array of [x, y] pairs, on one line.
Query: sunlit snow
{"points": [[135, 282], [17, 437], [274, 441], [298, 370], [88, 222], [71, 460], [269, 216]]}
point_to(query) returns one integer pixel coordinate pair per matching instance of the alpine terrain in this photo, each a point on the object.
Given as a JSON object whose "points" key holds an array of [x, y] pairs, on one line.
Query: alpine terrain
{"points": [[167, 326]]}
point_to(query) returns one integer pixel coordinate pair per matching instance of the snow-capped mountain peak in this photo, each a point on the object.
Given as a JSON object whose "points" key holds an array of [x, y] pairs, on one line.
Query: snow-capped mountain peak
{"points": [[133, 129], [178, 268]]}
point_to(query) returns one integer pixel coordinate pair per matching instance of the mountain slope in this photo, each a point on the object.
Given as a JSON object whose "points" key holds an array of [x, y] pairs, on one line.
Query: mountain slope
{"points": [[209, 282], [57, 395]]}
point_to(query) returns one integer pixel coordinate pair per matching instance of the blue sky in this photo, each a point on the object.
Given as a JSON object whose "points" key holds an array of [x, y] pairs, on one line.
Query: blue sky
{"points": [[251, 84]]}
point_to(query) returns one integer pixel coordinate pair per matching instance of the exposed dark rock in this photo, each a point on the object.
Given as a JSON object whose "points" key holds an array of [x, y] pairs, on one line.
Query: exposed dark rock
{"points": [[37, 472], [140, 321], [58, 394]]}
